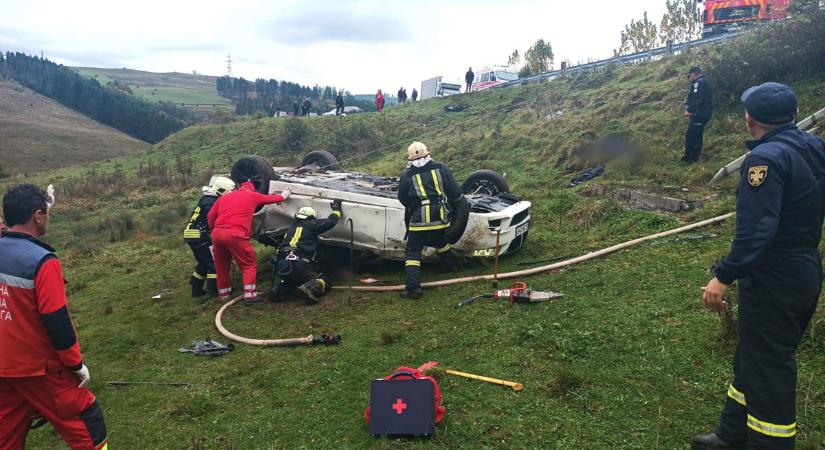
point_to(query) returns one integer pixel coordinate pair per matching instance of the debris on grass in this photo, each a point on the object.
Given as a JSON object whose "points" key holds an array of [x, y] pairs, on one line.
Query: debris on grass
{"points": [[207, 347]]}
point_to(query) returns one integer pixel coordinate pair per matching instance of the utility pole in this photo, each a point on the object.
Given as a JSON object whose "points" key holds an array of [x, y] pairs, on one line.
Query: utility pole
{"points": [[229, 65]]}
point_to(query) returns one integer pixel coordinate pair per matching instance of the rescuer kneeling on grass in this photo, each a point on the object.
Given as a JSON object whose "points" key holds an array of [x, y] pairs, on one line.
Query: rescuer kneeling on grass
{"points": [[295, 263], [41, 368], [230, 220], [774, 255], [197, 235], [426, 189]]}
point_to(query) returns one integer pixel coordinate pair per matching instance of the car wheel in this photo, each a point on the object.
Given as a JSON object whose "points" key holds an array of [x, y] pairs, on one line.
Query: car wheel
{"points": [[255, 169], [321, 158], [460, 215], [487, 182]]}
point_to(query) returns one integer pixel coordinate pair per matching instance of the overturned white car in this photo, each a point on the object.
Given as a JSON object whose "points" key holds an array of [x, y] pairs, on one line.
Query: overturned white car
{"points": [[486, 212]]}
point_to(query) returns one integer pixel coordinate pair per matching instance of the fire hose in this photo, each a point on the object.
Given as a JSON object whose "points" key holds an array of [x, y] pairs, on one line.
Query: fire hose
{"points": [[308, 340], [548, 267], [331, 340]]}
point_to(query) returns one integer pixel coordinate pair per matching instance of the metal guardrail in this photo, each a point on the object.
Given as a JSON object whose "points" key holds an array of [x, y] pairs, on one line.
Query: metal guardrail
{"points": [[623, 59]]}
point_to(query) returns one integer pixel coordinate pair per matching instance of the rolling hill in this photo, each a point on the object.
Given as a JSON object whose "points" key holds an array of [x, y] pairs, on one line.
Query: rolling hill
{"points": [[628, 358], [40, 134], [172, 87]]}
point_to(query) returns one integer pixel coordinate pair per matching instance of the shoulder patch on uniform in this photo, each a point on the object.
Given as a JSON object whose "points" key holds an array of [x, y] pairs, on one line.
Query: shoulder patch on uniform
{"points": [[757, 175]]}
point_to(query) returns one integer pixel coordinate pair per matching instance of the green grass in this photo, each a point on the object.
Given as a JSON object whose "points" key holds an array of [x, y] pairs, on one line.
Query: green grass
{"points": [[628, 358], [169, 87]]}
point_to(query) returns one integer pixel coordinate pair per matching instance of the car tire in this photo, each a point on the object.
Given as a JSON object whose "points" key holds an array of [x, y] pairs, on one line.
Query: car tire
{"points": [[460, 215], [321, 158], [487, 182], [255, 169]]}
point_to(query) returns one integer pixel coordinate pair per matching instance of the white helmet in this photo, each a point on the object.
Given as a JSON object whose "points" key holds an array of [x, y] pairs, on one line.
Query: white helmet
{"points": [[222, 185], [417, 150], [305, 212]]}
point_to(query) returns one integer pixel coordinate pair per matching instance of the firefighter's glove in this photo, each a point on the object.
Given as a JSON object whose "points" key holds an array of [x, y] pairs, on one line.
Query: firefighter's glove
{"points": [[82, 374], [336, 204]]}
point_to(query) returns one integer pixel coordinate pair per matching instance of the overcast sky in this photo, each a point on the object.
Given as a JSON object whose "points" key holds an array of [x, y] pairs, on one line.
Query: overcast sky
{"points": [[360, 46]]}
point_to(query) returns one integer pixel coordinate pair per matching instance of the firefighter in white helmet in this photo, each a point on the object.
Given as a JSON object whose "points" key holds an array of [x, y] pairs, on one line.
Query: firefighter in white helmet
{"points": [[295, 262], [197, 235], [427, 188]]}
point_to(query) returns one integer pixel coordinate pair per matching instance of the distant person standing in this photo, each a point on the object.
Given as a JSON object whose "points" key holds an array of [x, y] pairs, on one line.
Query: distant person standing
{"points": [[402, 95], [698, 109], [414, 95], [379, 100], [339, 104], [295, 108], [468, 78], [307, 107]]}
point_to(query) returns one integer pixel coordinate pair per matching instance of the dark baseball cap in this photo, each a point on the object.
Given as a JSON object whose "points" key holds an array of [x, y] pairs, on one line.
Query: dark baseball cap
{"points": [[770, 103]]}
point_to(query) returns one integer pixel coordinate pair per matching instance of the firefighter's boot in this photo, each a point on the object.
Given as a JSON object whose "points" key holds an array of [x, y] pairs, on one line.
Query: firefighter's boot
{"points": [[712, 442], [197, 286], [312, 291], [412, 294], [450, 260], [211, 285]]}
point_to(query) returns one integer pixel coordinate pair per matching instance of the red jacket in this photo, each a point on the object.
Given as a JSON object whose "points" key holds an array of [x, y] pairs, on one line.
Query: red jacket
{"points": [[36, 330], [233, 211]]}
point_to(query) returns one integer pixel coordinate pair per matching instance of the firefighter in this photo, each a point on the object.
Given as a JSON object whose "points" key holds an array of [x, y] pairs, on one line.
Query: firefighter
{"points": [[230, 220], [196, 234], [426, 190], [41, 371], [295, 262], [775, 257], [698, 109]]}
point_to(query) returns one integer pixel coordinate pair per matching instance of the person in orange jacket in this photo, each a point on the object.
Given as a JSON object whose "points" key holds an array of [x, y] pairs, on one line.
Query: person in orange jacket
{"points": [[230, 220], [41, 370]]}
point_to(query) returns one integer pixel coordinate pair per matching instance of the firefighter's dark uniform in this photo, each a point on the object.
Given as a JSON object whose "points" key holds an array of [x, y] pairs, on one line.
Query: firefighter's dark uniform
{"points": [[700, 105], [775, 257], [196, 234], [427, 193], [295, 262]]}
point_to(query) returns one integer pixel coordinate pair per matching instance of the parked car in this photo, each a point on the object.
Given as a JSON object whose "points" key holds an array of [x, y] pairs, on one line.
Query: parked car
{"points": [[486, 209], [347, 110], [491, 77]]}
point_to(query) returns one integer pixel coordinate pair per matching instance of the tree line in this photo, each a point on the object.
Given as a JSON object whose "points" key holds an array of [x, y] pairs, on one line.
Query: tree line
{"points": [[150, 122], [270, 96]]}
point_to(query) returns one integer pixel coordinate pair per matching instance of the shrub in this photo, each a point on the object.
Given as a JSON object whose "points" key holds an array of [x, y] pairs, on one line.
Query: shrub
{"points": [[294, 137]]}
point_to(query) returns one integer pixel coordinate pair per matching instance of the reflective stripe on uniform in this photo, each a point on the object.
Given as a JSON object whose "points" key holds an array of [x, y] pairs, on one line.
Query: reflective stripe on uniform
{"points": [[249, 287], [323, 284], [197, 275], [737, 396], [225, 290], [436, 178], [337, 213], [294, 241], [17, 282], [412, 262], [211, 276], [771, 429], [429, 227], [191, 234], [446, 248], [419, 187]]}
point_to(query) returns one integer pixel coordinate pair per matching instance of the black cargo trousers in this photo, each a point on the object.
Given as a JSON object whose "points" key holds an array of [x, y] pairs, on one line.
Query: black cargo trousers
{"points": [[760, 408], [416, 241], [694, 137]]}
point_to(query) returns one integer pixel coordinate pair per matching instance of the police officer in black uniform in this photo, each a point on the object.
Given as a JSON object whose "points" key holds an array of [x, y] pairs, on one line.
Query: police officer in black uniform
{"points": [[775, 257], [198, 236], [699, 107], [295, 262], [426, 190]]}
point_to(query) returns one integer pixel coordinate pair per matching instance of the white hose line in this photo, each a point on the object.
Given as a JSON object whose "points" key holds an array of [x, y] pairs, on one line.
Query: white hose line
{"points": [[549, 267], [262, 342]]}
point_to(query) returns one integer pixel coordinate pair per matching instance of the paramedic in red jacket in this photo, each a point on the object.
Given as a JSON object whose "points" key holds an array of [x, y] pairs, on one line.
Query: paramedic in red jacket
{"points": [[41, 368], [230, 220]]}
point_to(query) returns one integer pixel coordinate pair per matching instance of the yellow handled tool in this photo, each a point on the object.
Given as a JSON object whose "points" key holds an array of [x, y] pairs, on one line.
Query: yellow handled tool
{"points": [[512, 384]]}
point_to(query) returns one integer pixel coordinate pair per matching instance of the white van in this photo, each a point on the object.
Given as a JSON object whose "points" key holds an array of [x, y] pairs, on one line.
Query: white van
{"points": [[489, 77]]}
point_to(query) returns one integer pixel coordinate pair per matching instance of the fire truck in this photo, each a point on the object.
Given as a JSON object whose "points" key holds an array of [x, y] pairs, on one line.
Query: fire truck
{"points": [[726, 16]]}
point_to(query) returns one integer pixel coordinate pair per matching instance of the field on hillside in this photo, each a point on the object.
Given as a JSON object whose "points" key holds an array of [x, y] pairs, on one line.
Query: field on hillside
{"points": [[172, 87], [40, 134], [628, 358]]}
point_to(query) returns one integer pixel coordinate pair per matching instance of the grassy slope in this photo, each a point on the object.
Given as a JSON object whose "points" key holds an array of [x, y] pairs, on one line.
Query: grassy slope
{"points": [[40, 134], [627, 359], [172, 87]]}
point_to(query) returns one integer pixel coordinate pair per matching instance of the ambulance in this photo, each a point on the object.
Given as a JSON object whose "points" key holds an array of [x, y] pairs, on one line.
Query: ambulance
{"points": [[491, 77]]}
